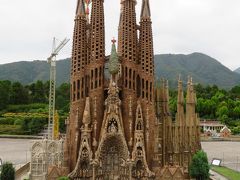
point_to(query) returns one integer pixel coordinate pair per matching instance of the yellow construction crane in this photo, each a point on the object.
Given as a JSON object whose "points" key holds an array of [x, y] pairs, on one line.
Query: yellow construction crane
{"points": [[53, 120], [56, 126]]}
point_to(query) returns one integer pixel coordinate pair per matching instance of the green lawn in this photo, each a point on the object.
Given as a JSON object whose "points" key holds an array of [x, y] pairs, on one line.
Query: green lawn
{"points": [[228, 173]]}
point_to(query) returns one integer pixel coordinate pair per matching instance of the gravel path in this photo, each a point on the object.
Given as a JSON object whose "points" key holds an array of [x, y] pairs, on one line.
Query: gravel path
{"points": [[17, 151], [228, 152]]}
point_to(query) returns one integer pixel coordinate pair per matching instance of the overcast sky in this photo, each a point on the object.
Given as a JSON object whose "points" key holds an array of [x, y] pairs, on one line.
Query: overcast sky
{"points": [[180, 26]]}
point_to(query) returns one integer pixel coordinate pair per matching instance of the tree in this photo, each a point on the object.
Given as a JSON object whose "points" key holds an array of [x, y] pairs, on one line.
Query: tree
{"points": [[8, 172], [63, 97], [236, 112], [5, 88], [235, 90], [19, 94], [199, 167], [209, 108], [222, 112], [38, 92]]}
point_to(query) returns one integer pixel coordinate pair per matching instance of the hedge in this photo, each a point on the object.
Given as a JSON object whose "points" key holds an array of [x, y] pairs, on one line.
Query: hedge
{"points": [[11, 129]]}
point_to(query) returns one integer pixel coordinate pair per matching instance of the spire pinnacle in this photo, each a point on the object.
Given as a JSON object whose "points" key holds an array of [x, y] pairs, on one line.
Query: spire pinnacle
{"points": [[190, 91], [180, 104], [145, 12], [81, 8], [179, 77], [114, 40], [167, 90], [188, 88], [180, 91]]}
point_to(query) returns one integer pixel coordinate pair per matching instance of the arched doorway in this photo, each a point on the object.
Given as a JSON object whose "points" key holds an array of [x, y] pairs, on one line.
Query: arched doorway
{"points": [[113, 159]]}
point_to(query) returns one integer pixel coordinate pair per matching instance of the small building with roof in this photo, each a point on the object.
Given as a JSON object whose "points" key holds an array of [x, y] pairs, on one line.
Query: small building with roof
{"points": [[214, 128]]}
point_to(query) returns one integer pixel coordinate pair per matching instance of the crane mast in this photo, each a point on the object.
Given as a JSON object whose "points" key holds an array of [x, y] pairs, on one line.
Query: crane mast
{"points": [[52, 61]]}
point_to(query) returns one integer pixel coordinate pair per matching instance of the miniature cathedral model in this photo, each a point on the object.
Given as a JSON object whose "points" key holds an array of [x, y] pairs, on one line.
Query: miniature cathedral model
{"points": [[120, 126]]}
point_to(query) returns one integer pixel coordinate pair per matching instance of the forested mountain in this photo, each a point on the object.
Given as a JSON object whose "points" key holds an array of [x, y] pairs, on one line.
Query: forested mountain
{"points": [[202, 68], [27, 72], [237, 70]]}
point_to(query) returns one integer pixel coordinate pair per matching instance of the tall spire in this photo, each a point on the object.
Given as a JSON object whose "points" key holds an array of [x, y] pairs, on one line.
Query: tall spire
{"points": [[113, 61], [146, 53], [145, 12], [189, 103], [146, 40], [180, 103], [191, 113], [190, 91], [167, 96], [95, 77], [180, 91], [78, 65], [80, 11], [128, 51], [79, 36], [180, 122]]}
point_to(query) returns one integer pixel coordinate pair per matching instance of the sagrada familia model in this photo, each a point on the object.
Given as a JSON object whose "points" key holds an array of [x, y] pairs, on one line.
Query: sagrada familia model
{"points": [[120, 125]]}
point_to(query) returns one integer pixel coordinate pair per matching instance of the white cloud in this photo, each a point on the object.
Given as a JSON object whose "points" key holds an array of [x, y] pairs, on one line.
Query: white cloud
{"points": [[180, 26]]}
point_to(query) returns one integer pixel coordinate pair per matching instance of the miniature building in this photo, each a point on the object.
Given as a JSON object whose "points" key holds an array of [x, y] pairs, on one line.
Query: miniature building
{"points": [[44, 155], [225, 132], [211, 126], [215, 129], [121, 127]]}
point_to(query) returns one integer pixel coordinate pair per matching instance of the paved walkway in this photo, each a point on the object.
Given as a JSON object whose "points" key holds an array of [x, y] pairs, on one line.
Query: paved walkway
{"points": [[216, 176], [16, 151], [228, 152]]}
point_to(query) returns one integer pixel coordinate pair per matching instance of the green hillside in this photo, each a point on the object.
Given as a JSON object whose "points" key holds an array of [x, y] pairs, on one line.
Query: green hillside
{"points": [[204, 69], [237, 70], [28, 72]]}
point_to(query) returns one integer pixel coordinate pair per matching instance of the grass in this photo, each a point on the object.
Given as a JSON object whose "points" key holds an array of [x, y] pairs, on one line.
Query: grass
{"points": [[228, 173]]}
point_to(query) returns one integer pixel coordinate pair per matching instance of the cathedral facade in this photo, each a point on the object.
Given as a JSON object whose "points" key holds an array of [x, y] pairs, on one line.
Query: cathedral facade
{"points": [[120, 125]]}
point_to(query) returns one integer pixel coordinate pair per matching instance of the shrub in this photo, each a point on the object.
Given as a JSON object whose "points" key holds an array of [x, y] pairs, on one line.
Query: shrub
{"points": [[236, 130], [8, 172], [18, 122], [25, 107], [199, 167], [7, 121], [10, 129], [63, 178], [36, 125]]}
